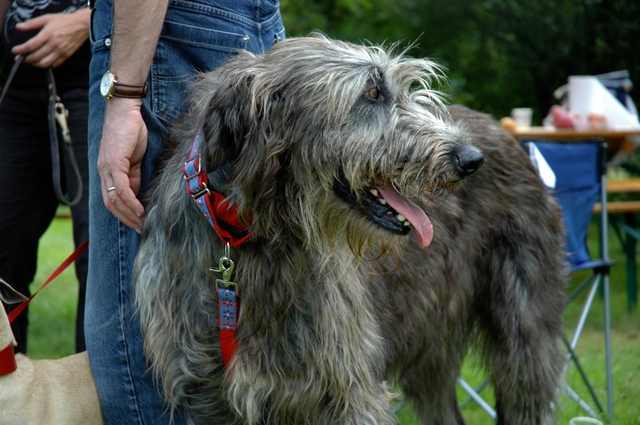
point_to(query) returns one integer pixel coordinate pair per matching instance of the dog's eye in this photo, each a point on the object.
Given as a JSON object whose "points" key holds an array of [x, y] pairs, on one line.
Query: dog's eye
{"points": [[373, 93]]}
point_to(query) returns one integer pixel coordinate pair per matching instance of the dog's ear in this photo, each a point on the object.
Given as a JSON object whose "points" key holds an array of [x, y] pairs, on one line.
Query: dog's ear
{"points": [[259, 167], [239, 121], [220, 107]]}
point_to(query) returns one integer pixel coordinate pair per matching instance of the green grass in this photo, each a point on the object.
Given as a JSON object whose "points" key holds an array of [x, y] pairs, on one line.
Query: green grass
{"points": [[52, 331], [52, 314]]}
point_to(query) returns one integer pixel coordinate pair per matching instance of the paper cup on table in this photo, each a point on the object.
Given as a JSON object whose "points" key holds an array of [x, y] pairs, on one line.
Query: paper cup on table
{"points": [[522, 116]]}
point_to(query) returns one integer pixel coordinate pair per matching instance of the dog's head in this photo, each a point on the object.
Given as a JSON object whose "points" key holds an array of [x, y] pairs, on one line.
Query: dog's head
{"points": [[328, 138]]}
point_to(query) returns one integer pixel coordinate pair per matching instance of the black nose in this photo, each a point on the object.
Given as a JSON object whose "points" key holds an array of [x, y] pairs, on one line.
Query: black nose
{"points": [[467, 159]]}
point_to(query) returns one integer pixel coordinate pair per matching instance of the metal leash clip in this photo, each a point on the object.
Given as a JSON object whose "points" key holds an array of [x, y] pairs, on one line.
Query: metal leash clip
{"points": [[226, 266], [62, 115]]}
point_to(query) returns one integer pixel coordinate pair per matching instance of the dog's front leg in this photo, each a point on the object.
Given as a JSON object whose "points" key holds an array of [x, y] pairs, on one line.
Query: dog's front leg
{"points": [[270, 399], [366, 408]]}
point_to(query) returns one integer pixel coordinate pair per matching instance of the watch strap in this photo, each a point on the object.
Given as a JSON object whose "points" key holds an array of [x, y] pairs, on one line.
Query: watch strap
{"points": [[130, 91]]}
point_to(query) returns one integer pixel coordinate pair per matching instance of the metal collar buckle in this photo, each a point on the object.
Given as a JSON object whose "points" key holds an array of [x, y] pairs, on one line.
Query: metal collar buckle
{"points": [[203, 191], [198, 164]]}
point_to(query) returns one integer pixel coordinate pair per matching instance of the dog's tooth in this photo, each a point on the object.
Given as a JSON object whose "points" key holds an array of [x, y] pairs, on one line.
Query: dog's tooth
{"points": [[382, 201], [374, 192], [401, 218]]}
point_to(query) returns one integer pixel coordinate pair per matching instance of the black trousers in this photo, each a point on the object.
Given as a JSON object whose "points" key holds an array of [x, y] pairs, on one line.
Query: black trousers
{"points": [[27, 199]]}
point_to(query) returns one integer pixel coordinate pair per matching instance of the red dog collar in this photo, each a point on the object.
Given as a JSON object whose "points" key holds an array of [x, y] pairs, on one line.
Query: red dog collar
{"points": [[220, 213]]}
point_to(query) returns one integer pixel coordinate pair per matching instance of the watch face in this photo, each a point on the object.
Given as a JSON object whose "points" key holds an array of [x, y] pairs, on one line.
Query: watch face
{"points": [[106, 84]]}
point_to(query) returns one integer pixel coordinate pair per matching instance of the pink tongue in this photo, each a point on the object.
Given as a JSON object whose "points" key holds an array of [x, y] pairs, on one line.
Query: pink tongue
{"points": [[416, 216]]}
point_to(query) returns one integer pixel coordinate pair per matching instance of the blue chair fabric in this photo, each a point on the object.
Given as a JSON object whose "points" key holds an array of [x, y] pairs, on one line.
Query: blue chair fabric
{"points": [[578, 168]]}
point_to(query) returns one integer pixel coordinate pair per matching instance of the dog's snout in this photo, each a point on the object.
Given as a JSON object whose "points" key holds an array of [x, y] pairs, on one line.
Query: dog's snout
{"points": [[467, 159]]}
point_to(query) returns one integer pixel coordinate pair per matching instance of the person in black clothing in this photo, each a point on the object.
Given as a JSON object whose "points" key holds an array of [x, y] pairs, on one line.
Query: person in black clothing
{"points": [[47, 34]]}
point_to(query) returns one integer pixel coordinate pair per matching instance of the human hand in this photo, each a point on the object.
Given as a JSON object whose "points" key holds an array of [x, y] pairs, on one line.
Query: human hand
{"points": [[122, 148], [60, 35]]}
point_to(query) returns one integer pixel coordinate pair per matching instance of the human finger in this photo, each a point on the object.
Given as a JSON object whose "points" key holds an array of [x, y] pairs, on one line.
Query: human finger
{"points": [[111, 198], [31, 45], [126, 193], [58, 61], [44, 61], [113, 203], [128, 206], [34, 24]]}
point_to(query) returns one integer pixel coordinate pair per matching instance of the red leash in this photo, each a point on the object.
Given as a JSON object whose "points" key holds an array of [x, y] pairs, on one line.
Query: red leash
{"points": [[82, 248], [7, 357]]}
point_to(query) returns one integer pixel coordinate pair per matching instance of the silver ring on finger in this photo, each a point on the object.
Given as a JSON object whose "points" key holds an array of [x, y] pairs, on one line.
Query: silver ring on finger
{"points": [[111, 188]]}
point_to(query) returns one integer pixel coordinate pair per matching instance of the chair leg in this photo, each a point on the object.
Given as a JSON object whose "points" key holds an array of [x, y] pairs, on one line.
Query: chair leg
{"points": [[585, 311], [607, 343], [478, 390], [583, 375], [596, 282], [476, 397], [579, 401]]}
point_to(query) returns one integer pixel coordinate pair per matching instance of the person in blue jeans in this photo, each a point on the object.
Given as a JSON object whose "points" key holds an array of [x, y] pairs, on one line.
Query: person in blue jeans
{"points": [[143, 57]]}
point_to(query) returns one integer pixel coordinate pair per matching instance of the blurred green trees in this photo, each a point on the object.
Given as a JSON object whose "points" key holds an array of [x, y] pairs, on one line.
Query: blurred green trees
{"points": [[498, 53]]}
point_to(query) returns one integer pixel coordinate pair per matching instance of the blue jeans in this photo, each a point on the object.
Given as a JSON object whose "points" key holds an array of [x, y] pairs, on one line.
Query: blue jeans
{"points": [[197, 35]]}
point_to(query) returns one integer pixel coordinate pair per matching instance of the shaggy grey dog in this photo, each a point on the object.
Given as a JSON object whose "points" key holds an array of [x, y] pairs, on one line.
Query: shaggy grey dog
{"points": [[379, 256]]}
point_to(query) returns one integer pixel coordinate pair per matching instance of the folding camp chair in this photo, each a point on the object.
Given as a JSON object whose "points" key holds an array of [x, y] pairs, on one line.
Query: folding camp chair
{"points": [[580, 181]]}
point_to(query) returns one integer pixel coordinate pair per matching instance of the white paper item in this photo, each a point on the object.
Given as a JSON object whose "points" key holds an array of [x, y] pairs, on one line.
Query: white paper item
{"points": [[584, 420], [588, 95], [545, 172]]}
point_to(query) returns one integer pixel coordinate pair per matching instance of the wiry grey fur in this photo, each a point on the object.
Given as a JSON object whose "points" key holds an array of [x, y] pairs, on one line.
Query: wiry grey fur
{"points": [[333, 306]]}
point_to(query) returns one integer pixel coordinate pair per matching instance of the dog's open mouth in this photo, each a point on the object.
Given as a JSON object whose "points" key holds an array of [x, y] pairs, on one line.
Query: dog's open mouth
{"points": [[388, 209]]}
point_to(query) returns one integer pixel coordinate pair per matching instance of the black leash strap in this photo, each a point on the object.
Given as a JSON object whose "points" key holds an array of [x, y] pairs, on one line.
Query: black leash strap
{"points": [[57, 116], [18, 61]]}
